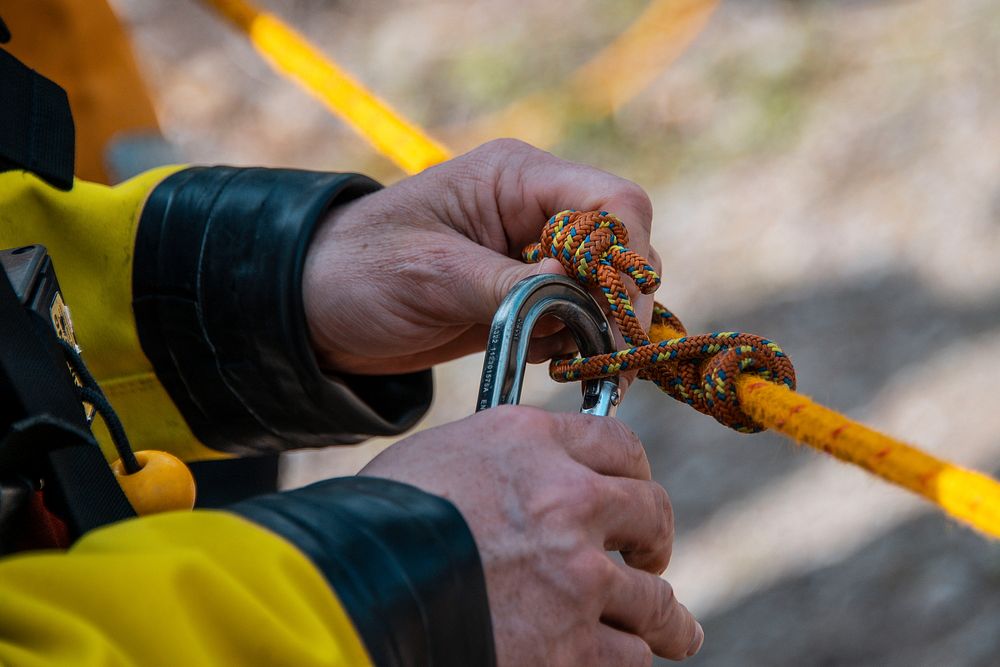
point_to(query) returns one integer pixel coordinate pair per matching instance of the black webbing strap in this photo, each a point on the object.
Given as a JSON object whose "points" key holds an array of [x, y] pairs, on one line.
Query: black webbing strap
{"points": [[47, 434], [36, 126]]}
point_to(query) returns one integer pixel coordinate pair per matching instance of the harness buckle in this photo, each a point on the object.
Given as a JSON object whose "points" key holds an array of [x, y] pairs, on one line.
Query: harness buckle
{"points": [[510, 335]]}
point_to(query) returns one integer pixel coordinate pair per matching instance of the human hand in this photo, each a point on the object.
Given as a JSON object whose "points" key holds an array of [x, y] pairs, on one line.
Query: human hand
{"points": [[411, 276], [545, 495]]}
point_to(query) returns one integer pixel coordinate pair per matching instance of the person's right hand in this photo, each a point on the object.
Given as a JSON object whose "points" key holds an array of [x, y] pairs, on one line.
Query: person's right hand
{"points": [[546, 496]]}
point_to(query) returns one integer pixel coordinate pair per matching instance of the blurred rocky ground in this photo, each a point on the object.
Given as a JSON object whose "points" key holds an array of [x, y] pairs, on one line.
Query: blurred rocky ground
{"points": [[826, 173]]}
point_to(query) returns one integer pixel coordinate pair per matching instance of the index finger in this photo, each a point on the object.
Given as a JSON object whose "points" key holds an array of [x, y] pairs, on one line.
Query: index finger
{"points": [[533, 185], [604, 444]]}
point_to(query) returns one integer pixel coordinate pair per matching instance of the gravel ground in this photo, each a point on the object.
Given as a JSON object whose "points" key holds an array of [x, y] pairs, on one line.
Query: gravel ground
{"points": [[823, 173]]}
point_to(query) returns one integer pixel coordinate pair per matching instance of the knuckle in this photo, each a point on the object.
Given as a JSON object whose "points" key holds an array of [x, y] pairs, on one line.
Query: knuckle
{"points": [[507, 146], [482, 164], [521, 419], [639, 199], [633, 451], [663, 532], [585, 495], [592, 571], [642, 656], [627, 445], [574, 425], [588, 431], [617, 430], [568, 506], [664, 602]]}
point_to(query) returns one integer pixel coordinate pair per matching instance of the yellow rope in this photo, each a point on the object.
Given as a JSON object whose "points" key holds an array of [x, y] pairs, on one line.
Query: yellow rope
{"points": [[966, 495], [388, 132], [969, 496]]}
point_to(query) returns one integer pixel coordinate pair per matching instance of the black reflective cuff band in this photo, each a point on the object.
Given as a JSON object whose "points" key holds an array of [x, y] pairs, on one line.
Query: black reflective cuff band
{"points": [[402, 562], [217, 296]]}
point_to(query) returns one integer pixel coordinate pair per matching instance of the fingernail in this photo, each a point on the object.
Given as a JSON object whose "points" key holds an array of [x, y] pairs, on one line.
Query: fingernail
{"points": [[697, 640], [549, 265]]}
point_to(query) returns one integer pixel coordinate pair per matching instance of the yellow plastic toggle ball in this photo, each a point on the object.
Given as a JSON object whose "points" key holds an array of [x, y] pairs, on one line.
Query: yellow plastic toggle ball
{"points": [[163, 483]]}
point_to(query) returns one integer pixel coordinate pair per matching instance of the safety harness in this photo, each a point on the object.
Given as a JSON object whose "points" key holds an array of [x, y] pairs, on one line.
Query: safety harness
{"points": [[55, 483]]}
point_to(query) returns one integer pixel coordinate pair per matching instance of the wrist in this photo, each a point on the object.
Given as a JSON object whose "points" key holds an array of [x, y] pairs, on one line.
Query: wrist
{"points": [[329, 270]]}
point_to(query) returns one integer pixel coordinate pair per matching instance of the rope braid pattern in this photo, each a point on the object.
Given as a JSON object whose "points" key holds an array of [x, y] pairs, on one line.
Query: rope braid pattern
{"points": [[746, 382], [698, 370]]}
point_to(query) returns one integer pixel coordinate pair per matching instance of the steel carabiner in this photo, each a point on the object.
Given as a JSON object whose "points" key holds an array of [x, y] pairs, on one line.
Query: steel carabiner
{"points": [[510, 334]]}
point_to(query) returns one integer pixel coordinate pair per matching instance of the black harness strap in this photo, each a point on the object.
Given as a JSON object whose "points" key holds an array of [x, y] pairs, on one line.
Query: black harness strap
{"points": [[36, 126], [48, 436]]}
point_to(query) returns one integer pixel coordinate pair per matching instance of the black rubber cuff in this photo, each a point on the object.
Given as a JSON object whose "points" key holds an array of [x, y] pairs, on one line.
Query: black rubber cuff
{"points": [[217, 296], [402, 562]]}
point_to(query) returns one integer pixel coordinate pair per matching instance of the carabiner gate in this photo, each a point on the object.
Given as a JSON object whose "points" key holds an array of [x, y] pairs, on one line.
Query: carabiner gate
{"points": [[510, 335]]}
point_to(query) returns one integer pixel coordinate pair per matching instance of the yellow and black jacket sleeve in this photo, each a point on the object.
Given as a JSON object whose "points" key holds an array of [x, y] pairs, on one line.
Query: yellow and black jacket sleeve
{"points": [[217, 299], [184, 588], [402, 562], [347, 572]]}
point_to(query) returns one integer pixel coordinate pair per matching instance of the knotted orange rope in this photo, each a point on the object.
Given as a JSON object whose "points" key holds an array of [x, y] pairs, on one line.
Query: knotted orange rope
{"points": [[746, 382]]}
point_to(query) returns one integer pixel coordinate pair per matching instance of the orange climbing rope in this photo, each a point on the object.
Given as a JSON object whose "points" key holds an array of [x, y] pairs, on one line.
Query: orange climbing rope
{"points": [[744, 381]]}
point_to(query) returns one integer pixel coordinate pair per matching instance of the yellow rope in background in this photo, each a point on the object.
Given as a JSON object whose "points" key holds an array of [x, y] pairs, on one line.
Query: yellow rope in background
{"points": [[292, 55], [615, 75]]}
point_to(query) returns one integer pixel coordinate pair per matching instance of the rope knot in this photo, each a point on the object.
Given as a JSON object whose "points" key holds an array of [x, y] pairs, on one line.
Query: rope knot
{"points": [[699, 370], [585, 241], [593, 248]]}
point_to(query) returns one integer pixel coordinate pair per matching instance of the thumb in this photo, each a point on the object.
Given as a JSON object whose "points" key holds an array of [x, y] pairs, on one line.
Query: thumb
{"points": [[496, 276]]}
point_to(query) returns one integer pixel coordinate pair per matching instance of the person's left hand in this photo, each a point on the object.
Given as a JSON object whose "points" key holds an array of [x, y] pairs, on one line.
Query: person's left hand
{"points": [[411, 276]]}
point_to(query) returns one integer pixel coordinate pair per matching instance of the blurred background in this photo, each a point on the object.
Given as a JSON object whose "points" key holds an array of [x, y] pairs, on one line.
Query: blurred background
{"points": [[825, 173]]}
